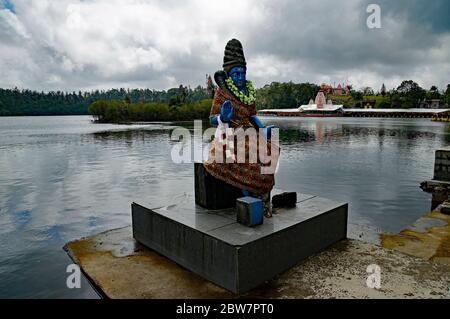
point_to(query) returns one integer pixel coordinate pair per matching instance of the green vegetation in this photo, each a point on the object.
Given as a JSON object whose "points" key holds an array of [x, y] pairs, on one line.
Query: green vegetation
{"points": [[345, 100], [381, 102], [359, 101], [122, 111], [26, 102], [285, 95], [184, 103], [407, 95], [446, 96]]}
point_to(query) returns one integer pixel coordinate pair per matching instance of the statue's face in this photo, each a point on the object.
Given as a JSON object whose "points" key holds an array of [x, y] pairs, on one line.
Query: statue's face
{"points": [[238, 75]]}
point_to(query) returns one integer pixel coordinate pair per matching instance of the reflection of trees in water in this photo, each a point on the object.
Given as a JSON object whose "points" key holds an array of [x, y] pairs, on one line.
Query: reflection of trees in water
{"points": [[403, 132], [317, 132], [405, 140], [130, 136], [289, 136], [403, 136]]}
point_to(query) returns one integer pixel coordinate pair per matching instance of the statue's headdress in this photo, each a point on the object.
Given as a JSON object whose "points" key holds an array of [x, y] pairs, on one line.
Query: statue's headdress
{"points": [[234, 55]]}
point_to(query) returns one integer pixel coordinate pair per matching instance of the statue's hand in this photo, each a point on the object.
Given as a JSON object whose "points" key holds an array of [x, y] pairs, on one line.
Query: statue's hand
{"points": [[226, 112], [267, 130]]}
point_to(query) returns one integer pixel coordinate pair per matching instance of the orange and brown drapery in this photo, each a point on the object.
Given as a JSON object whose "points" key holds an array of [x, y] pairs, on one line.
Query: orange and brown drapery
{"points": [[248, 175]]}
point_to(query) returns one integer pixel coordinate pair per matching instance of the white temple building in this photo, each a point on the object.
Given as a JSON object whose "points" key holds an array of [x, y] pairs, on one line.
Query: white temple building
{"points": [[320, 106]]}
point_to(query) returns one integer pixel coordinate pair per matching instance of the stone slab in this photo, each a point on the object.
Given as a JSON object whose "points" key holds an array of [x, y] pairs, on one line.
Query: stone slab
{"points": [[213, 245]]}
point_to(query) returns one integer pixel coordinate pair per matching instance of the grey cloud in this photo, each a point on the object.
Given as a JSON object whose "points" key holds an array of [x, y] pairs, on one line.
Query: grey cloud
{"points": [[434, 15], [329, 37], [305, 40]]}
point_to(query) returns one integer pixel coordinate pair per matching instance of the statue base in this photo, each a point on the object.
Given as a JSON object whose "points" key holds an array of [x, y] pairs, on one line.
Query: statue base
{"points": [[213, 245], [213, 193]]}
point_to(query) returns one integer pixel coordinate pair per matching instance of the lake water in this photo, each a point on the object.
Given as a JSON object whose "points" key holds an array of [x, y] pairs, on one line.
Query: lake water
{"points": [[62, 178]]}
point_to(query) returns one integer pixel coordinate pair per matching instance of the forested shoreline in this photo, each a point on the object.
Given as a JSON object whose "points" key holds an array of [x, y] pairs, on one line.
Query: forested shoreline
{"points": [[124, 111], [15, 102], [175, 103]]}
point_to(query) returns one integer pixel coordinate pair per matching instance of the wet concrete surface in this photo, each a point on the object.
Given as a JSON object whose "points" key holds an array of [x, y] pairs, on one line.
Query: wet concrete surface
{"points": [[427, 238], [118, 267]]}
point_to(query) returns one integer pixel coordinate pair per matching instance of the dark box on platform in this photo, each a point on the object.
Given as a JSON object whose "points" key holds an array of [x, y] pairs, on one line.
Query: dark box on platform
{"points": [[211, 192], [285, 199], [249, 211]]}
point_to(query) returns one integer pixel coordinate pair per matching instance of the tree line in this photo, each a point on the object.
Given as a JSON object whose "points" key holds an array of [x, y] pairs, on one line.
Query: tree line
{"points": [[275, 95], [117, 111], [407, 95], [285, 95], [15, 102]]}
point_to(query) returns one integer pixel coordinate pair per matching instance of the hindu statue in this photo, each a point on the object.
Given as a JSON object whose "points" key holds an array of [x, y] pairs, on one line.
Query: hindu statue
{"points": [[234, 107]]}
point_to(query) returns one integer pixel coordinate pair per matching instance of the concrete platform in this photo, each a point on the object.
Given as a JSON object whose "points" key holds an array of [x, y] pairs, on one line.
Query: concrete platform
{"points": [[119, 267], [213, 245]]}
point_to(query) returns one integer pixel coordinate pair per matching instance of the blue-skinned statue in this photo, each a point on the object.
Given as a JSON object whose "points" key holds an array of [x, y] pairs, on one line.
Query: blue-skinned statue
{"points": [[238, 75], [234, 107]]}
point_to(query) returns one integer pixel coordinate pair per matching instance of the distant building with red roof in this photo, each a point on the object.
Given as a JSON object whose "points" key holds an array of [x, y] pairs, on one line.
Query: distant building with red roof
{"points": [[339, 90]]}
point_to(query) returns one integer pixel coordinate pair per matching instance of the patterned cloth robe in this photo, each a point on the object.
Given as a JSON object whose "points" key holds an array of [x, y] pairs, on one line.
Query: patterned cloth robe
{"points": [[246, 175]]}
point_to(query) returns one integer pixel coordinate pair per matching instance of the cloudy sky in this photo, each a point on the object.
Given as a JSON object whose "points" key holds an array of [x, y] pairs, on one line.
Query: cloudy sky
{"points": [[89, 44]]}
